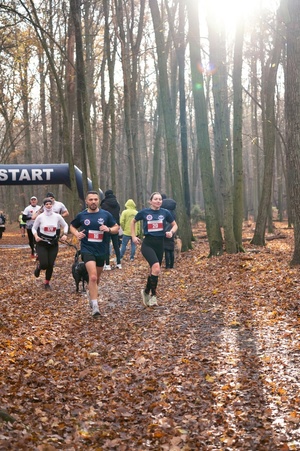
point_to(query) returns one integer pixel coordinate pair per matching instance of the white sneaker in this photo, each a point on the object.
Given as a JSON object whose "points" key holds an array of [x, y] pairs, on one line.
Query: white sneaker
{"points": [[107, 268], [95, 308], [152, 301], [145, 298], [119, 266]]}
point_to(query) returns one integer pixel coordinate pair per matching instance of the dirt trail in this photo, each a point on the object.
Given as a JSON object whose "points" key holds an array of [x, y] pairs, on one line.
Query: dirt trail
{"points": [[214, 367]]}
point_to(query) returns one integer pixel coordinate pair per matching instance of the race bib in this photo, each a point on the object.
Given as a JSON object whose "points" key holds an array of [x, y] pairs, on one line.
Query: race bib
{"points": [[95, 236], [156, 225], [49, 229]]}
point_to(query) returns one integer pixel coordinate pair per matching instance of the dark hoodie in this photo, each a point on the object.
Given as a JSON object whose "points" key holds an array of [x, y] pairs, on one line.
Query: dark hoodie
{"points": [[110, 203], [170, 204]]}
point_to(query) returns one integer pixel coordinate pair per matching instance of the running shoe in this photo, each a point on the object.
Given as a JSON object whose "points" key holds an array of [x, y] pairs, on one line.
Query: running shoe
{"points": [[152, 301], [37, 270], [95, 310], [145, 298], [107, 268]]}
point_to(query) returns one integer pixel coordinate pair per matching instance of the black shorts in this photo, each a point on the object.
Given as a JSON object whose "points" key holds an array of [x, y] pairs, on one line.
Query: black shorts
{"points": [[153, 249], [100, 260]]}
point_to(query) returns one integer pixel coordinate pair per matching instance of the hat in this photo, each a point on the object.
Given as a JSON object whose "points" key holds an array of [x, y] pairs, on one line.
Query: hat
{"points": [[108, 192], [33, 198], [47, 199], [50, 195]]}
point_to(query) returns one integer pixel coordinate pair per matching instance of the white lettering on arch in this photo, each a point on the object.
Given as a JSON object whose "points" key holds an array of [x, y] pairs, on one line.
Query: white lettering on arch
{"points": [[3, 175], [14, 173], [48, 173], [24, 175], [36, 174]]}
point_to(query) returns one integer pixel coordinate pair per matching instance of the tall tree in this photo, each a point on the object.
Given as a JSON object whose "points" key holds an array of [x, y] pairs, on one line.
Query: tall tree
{"points": [[182, 106], [269, 131], [170, 127], [130, 35], [238, 178], [223, 166], [201, 120], [83, 104], [291, 14]]}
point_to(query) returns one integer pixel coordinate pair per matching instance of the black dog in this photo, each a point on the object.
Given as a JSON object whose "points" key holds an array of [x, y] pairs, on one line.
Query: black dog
{"points": [[79, 272]]}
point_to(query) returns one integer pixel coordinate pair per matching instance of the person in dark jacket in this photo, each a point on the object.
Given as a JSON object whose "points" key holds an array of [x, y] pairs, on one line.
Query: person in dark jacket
{"points": [[2, 223], [110, 204], [169, 243]]}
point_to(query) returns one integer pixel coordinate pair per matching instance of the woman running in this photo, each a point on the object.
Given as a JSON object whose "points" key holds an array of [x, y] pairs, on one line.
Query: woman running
{"points": [[46, 231], [154, 220]]}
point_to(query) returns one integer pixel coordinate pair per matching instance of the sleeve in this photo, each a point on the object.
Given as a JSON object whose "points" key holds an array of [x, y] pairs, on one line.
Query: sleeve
{"points": [[138, 216], [24, 215], [111, 220], [36, 225], [76, 222], [63, 224], [169, 217], [63, 208]]}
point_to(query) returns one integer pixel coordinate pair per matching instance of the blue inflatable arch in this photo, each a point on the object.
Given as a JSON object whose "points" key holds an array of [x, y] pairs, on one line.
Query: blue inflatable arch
{"points": [[42, 174]]}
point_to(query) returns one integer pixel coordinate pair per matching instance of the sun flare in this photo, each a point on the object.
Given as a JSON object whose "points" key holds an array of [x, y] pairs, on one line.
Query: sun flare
{"points": [[230, 11]]}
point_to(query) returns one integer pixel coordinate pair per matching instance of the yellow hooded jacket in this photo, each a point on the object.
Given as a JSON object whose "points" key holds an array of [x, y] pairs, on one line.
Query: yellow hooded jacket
{"points": [[127, 216]]}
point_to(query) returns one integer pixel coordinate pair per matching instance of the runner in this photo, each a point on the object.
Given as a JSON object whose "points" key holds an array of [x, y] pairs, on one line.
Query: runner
{"points": [[154, 220], [93, 228]]}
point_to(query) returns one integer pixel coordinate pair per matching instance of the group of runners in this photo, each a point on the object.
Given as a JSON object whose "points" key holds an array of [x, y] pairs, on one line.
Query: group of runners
{"points": [[93, 227]]}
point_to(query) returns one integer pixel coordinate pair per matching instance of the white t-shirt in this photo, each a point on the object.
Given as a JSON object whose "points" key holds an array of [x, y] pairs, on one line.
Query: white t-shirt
{"points": [[59, 207], [29, 210], [49, 224]]}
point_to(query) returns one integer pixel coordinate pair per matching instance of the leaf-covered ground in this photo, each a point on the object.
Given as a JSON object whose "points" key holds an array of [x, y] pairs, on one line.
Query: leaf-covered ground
{"points": [[214, 367]]}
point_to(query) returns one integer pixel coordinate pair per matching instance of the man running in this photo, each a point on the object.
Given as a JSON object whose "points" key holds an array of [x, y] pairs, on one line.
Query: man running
{"points": [[92, 227]]}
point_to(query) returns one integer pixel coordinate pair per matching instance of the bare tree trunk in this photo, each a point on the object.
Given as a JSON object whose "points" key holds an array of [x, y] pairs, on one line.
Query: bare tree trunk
{"points": [[210, 201], [255, 142], [130, 45], [182, 109], [45, 151], [268, 139], [83, 104], [170, 128], [217, 42], [292, 105], [238, 184]]}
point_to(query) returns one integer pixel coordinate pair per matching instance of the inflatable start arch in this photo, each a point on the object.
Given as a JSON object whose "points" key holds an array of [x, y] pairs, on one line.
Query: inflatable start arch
{"points": [[42, 174]]}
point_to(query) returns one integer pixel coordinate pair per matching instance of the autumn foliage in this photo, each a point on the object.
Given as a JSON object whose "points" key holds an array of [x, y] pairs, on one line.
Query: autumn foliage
{"points": [[214, 367]]}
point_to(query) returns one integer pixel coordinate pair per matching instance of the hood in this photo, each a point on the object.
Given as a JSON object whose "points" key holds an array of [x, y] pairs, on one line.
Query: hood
{"points": [[130, 204], [110, 200], [169, 204]]}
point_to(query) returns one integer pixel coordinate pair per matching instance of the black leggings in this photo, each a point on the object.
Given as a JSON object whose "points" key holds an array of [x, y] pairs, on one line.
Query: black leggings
{"points": [[115, 242], [47, 254], [31, 240], [153, 249], [2, 229], [169, 257]]}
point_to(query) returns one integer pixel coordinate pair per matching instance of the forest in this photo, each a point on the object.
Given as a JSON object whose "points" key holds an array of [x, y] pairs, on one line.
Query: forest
{"points": [[198, 99]]}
